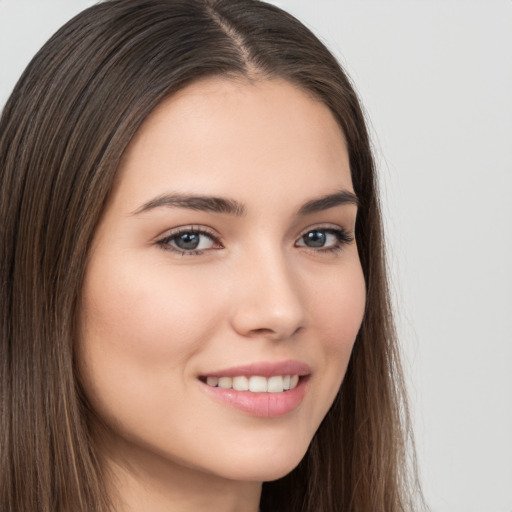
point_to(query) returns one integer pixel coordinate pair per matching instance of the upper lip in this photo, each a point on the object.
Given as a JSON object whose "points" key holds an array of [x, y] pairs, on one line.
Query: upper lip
{"points": [[263, 369]]}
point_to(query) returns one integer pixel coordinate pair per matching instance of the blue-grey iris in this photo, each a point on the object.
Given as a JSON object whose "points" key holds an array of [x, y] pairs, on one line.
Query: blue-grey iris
{"points": [[315, 239], [187, 241]]}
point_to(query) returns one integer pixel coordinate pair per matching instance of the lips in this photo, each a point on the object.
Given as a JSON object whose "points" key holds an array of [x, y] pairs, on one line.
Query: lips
{"points": [[260, 389], [264, 369]]}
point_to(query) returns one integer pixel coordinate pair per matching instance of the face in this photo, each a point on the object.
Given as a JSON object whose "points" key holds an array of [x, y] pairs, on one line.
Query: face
{"points": [[224, 291]]}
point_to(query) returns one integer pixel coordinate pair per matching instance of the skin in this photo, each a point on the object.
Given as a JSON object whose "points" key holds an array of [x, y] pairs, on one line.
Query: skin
{"points": [[154, 320]]}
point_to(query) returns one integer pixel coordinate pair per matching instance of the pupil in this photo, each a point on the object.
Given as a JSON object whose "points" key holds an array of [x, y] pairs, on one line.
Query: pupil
{"points": [[188, 241], [315, 239]]}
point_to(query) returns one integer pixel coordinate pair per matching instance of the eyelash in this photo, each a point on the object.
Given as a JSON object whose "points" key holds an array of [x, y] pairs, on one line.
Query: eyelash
{"points": [[165, 242], [343, 238]]}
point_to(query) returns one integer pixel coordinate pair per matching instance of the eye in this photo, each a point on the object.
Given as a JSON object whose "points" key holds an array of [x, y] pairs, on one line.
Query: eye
{"points": [[325, 239], [189, 241]]}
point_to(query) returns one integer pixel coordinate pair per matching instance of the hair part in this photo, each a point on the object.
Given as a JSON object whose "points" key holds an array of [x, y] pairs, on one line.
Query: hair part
{"points": [[63, 133]]}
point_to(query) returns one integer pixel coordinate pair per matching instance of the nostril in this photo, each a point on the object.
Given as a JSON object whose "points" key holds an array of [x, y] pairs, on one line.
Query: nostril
{"points": [[262, 330]]}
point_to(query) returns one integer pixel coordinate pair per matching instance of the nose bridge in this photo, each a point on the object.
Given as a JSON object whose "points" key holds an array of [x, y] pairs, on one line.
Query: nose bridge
{"points": [[270, 300]]}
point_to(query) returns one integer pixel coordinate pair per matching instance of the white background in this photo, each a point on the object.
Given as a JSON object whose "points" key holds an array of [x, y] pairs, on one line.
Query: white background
{"points": [[436, 79]]}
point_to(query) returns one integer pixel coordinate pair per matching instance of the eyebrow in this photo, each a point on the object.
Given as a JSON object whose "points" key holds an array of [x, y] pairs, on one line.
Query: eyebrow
{"points": [[232, 207], [201, 203], [329, 201]]}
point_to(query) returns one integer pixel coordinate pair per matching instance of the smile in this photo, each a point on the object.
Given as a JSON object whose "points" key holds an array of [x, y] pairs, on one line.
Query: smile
{"points": [[260, 389], [255, 383]]}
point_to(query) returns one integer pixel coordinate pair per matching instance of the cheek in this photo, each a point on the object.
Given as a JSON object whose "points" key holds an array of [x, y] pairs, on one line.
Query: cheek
{"points": [[339, 308], [144, 315], [140, 330], [339, 311]]}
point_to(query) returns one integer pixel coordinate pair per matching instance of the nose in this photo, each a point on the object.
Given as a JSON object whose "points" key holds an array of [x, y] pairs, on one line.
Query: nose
{"points": [[268, 301]]}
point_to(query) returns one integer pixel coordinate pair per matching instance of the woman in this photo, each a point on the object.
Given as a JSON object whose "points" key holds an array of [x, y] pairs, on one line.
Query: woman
{"points": [[194, 296]]}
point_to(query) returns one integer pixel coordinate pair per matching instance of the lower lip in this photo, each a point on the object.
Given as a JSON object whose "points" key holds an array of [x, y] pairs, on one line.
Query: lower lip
{"points": [[265, 405]]}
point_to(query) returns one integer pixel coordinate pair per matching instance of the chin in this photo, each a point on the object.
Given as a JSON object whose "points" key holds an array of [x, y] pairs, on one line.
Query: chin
{"points": [[265, 466]]}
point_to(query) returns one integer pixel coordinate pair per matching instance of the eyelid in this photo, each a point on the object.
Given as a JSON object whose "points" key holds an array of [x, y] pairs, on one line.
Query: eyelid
{"points": [[326, 227], [164, 240], [186, 228], [344, 237]]}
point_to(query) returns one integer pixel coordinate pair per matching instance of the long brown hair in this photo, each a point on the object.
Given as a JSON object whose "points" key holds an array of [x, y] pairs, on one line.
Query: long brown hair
{"points": [[63, 132]]}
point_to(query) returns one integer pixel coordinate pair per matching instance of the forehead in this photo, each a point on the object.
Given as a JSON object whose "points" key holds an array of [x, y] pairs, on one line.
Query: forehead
{"points": [[263, 137]]}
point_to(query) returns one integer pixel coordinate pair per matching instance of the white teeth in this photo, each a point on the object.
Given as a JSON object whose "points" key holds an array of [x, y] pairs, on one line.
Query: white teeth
{"points": [[256, 383], [241, 383], [225, 382], [275, 384]]}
